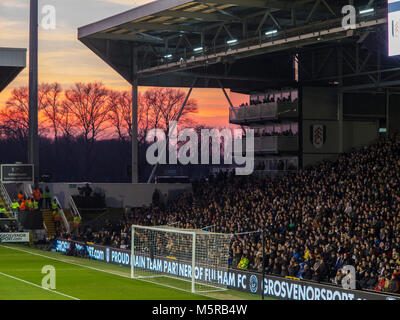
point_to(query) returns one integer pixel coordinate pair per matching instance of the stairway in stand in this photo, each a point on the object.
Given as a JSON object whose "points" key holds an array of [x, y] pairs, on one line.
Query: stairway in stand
{"points": [[4, 205], [48, 220], [69, 217]]}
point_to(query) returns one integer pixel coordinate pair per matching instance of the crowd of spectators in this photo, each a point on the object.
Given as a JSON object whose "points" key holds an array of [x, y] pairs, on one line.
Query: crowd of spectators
{"points": [[268, 99], [265, 133], [316, 220], [274, 165], [9, 227]]}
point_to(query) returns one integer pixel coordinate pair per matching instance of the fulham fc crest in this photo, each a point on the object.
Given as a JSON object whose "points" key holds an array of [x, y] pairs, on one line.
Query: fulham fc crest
{"points": [[318, 135]]}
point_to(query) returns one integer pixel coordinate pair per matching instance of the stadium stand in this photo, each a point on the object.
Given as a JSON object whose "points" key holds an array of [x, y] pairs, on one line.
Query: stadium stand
{"points": [[5, 211], [9, 227], [345, 212]]}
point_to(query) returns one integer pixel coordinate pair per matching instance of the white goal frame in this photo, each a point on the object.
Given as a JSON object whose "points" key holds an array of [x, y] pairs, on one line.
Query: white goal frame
{"points": [[191, 232]]}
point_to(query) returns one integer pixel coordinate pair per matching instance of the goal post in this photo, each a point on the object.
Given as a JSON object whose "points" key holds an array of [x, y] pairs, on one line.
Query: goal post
{"points": [[186, 259]]}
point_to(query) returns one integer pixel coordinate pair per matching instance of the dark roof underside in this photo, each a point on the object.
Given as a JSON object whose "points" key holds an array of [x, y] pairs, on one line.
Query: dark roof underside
{"points": [[162, 37], [12, 62]]}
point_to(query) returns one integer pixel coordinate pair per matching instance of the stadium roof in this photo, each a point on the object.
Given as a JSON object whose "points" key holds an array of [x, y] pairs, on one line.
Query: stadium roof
{"points": [[247, 44], [12, 62]]}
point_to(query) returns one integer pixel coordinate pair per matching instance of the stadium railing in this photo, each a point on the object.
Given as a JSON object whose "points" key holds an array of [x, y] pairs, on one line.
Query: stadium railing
{"points": [[7, 199], [27, 190], [63, 217], [74, 208]]}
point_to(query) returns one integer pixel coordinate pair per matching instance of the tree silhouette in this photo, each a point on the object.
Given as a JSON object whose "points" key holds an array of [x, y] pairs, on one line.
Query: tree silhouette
{"points": [[14, 118], [166, 102], [52, 105], [120, 114], [75, 126], [87, 103]]}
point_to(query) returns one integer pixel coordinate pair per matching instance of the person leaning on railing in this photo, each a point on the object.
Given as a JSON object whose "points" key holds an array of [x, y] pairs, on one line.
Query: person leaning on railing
{"points": [[57, 218], [244, 263], [77, 223], [56, 213]]}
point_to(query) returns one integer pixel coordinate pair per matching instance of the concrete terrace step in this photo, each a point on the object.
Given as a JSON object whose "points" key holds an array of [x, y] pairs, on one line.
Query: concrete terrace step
{"points": [[49, 222], [68, 215]]}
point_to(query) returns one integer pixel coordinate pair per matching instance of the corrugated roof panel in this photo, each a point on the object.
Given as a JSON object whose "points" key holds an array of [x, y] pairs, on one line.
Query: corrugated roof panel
{"points": [[184, 6], [143, 19], [196, 8], [110, 30], [159, 19], [181, 19], [121, 31]]}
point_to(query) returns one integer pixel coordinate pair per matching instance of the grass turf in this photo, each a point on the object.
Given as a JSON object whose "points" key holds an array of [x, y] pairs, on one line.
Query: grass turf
{"points": [[21, 278]]}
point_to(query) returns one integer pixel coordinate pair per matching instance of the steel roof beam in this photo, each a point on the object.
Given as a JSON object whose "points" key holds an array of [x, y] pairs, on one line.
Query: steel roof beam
{"points": [[194, 15], [125, 37], [219, 10], [271, 46], [266, 4], [132, 26]]}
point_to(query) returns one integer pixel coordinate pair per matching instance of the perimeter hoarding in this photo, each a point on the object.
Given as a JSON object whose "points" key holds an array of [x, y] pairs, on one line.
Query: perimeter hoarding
{"points": [[393, 27], [17, 173], [250, 282], [14, 237]]}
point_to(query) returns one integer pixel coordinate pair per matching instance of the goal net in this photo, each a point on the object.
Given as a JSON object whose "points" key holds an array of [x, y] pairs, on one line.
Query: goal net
{"points": [[190, 260]]}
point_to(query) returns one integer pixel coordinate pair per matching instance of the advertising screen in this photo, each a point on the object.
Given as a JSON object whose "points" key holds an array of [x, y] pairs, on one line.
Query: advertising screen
{"points": [[394, 27], [16, 173]]}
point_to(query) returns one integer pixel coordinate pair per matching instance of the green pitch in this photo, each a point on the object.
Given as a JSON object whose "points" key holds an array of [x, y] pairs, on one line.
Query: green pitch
{"points": [[80, 279]]}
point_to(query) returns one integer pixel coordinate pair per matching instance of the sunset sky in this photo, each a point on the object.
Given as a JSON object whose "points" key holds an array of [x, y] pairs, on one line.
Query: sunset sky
{"points": [[64, 59]]}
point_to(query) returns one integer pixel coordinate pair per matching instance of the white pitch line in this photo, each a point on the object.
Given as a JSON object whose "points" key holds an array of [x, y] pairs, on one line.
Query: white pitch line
{"points": [[35, 285], [99, 270], [69, 262]]}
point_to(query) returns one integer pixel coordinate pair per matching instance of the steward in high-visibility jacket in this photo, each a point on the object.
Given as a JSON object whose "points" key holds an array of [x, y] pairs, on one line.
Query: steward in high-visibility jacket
{"points": [[20, 197], [46, 194], [47, 198], [77, 222], [3, 210], [243, 264], [37, 195], [15, 205], [57, 215], [22, 206], [30, 205], [54, 205], [35, 205]]}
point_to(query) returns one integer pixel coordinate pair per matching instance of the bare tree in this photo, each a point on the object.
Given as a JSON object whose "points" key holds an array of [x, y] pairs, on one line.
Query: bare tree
{"points": [[67, 122], [52, 105], [166, 103], [150, 113], [120, 115], [14, 118], [87, 104]]}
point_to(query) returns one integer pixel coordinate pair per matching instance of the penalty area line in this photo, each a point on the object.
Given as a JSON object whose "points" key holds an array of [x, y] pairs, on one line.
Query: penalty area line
{"points": [[37, 286]]}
